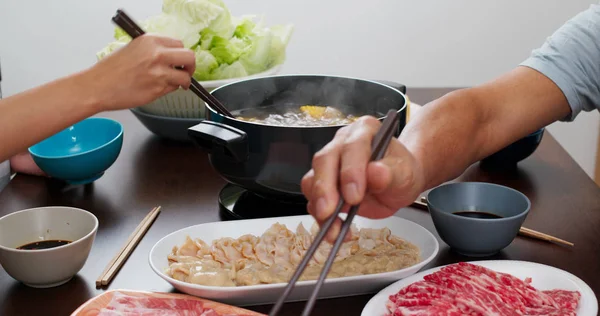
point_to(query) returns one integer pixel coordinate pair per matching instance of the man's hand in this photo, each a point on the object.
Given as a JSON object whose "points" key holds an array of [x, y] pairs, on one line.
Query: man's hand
{"points": [[381, 187], [441, 140]]}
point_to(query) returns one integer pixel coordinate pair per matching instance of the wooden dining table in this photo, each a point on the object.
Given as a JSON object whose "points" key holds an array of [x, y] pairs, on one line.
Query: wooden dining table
{"points": [[151, 171]]}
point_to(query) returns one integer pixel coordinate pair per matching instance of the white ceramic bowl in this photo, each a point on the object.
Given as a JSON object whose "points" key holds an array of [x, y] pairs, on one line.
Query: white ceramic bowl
{"points": [[46, 267], [185, 104]]}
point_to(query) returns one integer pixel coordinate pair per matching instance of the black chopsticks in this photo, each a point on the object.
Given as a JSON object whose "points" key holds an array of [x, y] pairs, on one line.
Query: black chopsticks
{"points": [[132, 29], [378, 148]]}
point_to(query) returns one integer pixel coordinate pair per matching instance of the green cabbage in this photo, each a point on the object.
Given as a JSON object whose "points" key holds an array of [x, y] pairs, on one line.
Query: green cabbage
{"points": [[259, 52], [225, 71], [205, 64], [225, 46], [281, 38], [173, 26], [227, 51]]}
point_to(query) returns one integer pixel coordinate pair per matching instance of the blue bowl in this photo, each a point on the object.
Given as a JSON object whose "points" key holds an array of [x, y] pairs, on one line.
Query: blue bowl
{"points": [[512, 154], [81, 153]]}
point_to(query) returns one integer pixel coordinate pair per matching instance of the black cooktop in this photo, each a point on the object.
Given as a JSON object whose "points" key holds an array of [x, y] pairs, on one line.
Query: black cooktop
{"points": [[238, 203]]}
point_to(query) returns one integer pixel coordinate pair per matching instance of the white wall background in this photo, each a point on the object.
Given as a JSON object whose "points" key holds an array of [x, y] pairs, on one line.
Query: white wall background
{"points": [[425, 43]]}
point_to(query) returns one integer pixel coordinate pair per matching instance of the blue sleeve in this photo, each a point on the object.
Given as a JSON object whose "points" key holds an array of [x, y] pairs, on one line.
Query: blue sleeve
{"points": [[571, 59]]}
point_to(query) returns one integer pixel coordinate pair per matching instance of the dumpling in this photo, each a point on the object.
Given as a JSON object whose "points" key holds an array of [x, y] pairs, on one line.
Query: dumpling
{"points": [[301, 244], [224, 250], [189, 248], [209, 272], [283, 246], [372, 237], [245, 246], [273, 244], [203, 248]]}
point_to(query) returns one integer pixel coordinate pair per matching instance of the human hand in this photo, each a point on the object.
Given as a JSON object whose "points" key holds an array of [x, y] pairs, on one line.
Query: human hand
{"points": [[141, 71], [381, 187], [24, 163]]}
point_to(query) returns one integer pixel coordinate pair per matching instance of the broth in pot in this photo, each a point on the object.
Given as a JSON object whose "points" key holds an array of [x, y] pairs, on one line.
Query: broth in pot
{"points": [[306, 115]]}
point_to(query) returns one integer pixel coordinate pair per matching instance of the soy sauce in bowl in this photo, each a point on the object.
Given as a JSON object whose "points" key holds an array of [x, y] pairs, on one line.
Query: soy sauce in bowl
{"points": [[44, 244], [476, 214]]}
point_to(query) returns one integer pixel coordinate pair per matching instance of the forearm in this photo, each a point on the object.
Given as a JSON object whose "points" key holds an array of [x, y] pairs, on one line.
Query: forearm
{"points": [[451, 133], [36, 114], [443, 136]]}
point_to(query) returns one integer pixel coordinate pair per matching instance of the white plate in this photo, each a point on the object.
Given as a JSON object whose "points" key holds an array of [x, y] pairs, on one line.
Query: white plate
{"points": [[543, 278], [269, 293]]}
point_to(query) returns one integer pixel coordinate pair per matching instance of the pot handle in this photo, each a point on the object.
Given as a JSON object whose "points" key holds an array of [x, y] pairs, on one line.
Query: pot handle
{"points": [[394, 85], [220, 139]]}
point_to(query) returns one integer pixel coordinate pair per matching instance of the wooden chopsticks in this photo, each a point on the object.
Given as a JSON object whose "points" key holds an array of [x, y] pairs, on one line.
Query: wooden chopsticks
{"points": [[119, 259], [378, 149], [524, 231], [132, 29], [541, 236]]}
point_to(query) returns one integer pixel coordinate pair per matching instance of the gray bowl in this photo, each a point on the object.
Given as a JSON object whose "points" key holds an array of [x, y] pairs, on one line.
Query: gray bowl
{"points": [[477, 237], [171, 128]]}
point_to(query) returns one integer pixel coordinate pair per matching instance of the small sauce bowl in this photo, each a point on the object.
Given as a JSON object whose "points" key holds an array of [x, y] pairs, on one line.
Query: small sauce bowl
{"points": [[473, 236], [43, 268]]}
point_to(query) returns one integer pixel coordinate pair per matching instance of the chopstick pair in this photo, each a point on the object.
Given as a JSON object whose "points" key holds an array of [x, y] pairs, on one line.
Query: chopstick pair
{"points": [[132, 29], [119, 259], [523, 231], [378, 149]]}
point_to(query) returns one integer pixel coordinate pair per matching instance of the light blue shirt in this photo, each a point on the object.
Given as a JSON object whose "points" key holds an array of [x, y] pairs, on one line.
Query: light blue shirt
{"points": [[571, 59]]}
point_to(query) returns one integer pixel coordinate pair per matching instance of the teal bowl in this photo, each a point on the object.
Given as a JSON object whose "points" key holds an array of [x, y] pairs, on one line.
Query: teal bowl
{"points": [[81, 153]]}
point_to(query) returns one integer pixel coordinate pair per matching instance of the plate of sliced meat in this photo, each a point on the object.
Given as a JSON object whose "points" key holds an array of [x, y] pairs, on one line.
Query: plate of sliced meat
{"points": [[141, 303], [481, 288]]}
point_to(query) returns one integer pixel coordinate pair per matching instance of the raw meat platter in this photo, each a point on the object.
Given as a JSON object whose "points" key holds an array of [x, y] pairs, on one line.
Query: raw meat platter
{"points": [[126, 302], [502, 287]]}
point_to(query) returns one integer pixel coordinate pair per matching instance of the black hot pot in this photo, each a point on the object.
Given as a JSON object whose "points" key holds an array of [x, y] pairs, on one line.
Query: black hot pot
{"points": [[269, 160]]}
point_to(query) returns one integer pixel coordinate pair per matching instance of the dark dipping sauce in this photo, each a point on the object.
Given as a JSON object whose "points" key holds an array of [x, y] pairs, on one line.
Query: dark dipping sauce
{"points": [[475, 214], [44, 244]]}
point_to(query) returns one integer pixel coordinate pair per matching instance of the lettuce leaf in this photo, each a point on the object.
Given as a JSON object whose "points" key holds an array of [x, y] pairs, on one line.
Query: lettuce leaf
{"points": [[173, 26], [227, 50], [235, 70], [281, 38], [224, 46], [257, 57], [200, 13], [205, 64]]}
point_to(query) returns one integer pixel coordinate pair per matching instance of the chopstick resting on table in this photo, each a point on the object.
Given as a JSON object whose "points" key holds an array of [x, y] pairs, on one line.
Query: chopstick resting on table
{"points": [[119, 259], [541, 236], [523, 231], [132, 29], [378, 149]]}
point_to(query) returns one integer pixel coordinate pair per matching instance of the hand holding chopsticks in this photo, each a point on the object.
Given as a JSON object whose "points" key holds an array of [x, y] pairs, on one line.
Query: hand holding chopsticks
{"points": [[132, 29], [378, 149]]}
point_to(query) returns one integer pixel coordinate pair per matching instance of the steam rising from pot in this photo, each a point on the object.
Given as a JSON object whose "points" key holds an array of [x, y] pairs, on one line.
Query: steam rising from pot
{"points": [[281, 95]]}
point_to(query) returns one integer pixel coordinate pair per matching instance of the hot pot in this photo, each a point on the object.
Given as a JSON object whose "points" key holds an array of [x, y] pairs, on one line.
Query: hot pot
{"points": [[270, 160]]}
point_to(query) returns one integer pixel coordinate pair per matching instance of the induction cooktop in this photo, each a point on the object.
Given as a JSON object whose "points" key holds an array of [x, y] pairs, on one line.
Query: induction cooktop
{"points": [[238, 203]]}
